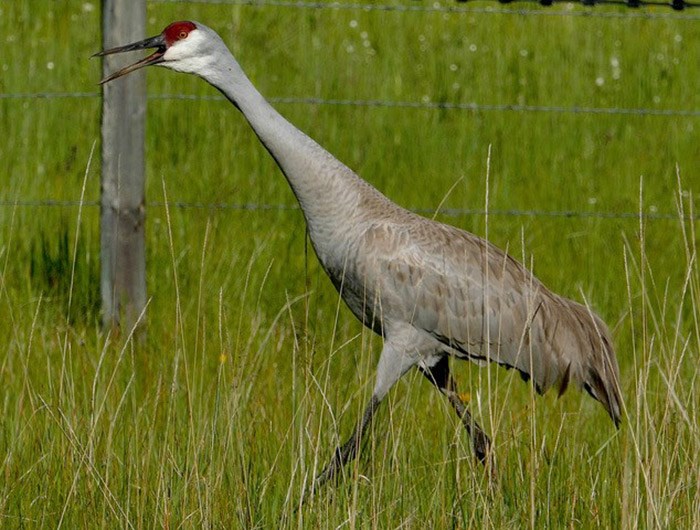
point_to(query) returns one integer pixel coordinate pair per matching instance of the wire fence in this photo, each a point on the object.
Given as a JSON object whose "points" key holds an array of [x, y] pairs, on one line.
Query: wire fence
{"points": [[446, 212], [427, 105], [447, 7]]}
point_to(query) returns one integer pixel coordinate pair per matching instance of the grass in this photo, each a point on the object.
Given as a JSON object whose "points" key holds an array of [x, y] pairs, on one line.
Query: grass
{"points": [[252, 370]]}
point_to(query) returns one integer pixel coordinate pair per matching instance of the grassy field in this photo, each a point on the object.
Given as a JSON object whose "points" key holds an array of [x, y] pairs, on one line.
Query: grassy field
{"points": [[252, 369]]}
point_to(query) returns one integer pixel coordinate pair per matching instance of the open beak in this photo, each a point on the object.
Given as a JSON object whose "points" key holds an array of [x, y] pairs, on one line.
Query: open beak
{"points": [[156, 57]]}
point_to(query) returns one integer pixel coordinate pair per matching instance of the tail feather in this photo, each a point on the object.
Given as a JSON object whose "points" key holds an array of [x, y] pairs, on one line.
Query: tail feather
{"points": [[603, 380], [599, 374]]}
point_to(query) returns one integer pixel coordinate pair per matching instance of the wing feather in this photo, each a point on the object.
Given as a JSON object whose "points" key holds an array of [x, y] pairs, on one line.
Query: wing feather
{"points": [[480, 302]]}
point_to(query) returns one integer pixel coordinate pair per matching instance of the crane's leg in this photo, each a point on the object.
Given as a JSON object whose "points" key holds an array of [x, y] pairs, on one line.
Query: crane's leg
{"points": [[439, 375], [348, 451], [393, 363]]}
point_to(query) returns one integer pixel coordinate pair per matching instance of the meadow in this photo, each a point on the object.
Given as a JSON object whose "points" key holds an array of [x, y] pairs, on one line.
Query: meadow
{"points": [[251, 370]]}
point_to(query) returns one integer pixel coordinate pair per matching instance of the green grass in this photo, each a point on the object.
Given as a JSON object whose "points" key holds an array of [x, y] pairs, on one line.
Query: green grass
{"points": [[252, 370]]}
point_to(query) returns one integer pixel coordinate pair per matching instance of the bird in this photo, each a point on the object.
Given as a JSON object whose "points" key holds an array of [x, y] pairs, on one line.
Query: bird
{"points": [[432, 291]]}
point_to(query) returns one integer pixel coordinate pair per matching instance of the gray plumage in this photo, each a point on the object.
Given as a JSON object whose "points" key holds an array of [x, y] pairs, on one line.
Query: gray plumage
{"points": [[429, 289]]}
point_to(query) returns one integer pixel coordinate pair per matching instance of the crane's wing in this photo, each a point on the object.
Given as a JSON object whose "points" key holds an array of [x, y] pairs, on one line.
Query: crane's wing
{"points": [[484, 305]]}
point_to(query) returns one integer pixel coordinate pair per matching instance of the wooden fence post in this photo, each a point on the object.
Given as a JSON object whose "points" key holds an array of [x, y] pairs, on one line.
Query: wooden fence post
{"points": [[122, 204]]}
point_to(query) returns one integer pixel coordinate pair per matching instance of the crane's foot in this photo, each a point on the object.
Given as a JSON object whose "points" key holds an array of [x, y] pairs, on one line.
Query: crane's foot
{"points": [[347, 452], [482, 450], [341, 457], [329, 472], [481, 443]]}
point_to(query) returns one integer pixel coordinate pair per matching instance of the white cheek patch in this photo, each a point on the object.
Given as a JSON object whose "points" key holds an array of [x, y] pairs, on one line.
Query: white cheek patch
{"points": [[186, 55]]}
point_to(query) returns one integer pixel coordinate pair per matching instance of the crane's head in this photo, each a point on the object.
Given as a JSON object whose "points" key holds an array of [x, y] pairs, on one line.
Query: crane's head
{"points": [[183, 46]]}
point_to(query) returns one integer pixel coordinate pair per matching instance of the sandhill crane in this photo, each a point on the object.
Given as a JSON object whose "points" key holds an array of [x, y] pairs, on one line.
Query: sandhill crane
{"points": [[429, 289]]}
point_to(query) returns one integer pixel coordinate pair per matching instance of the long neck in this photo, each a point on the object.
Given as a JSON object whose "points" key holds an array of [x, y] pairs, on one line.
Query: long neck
{"points": [[327, 190]]}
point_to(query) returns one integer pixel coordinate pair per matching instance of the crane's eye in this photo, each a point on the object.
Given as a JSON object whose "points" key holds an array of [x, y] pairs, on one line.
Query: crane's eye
{"points": [[178, 31]]}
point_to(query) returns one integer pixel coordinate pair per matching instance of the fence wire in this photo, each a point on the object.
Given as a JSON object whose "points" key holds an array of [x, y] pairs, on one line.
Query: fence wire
{"points": [[428, 105], [437, 7], [446, 212]]}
